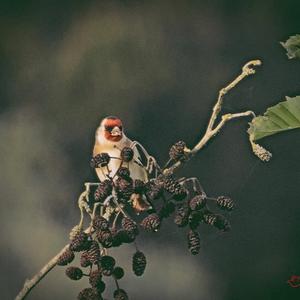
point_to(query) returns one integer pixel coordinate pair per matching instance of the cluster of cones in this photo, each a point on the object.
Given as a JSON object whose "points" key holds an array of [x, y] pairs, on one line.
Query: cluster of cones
{"points": [[150, 202]]}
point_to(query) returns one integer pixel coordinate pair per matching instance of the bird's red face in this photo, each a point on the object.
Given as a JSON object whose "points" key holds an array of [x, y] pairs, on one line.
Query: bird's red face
{"points": [[113, 129]]}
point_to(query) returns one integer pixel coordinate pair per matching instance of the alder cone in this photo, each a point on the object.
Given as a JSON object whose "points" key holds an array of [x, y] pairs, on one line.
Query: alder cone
{"points": [[173, 187], [118, 273], [103, 190], [139, 263], [139, 186], [154, 190], [94, 253], [107, 262], [100, 160], [124, 173], [181, 218], [95, 279], [100, 223], [65, 258], [85, 259], [127, 154], [89, 294], [74, 273], [209, 218], [225, 203], [222, 223], [177, 151], [116, 240], [124, 189], [120, 294], [195, 217], [130, 226], [197, 202], [80, 242], [105, 238], [151, 223], [193, 242]]}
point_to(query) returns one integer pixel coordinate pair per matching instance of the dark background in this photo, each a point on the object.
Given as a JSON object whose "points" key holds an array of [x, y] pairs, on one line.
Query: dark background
{"points": [[64, 65]]}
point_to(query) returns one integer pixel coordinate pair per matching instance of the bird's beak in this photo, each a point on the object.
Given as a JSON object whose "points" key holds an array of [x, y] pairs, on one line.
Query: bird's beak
{"points": [[116, 131]]}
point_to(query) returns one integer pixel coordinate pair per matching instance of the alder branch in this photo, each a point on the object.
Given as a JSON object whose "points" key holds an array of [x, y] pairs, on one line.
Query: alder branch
{"points": [[84, 197], [211, 131], [30, 284]]}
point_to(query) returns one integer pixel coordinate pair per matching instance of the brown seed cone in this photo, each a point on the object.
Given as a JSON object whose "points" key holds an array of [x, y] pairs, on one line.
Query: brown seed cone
{"points": [[153, 190], [209, 218], [100, 160], [151, 223], [222, 223], [116, 241], [89, 294], [65, 258], [80, 242], [177, 151], [74, 273], [127, 154], [124, 189], [107, 262], [118, 273], [105, 238], [193, 242], [139, 186], [94, 253], [130, 226], [182, 216], [195, 218], [120, 294], [225, 203], [100, 223], [197, 202], [139, 263], [103, 190], [124, 173], [173, 187], [95, 279], [85, 259]]}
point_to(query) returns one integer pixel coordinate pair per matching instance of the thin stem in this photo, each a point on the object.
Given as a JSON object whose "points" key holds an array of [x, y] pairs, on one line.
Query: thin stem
{"points": [[119, 207], [117, 284], [246, 71], [115, 220], [136, 247]]}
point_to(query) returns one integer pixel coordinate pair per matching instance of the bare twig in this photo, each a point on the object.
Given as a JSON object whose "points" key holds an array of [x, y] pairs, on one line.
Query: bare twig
{"points": [[211, 131]]}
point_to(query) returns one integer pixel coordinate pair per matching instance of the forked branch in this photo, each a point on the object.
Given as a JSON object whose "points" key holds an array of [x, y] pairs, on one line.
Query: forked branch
{"points": [[211, 131]]}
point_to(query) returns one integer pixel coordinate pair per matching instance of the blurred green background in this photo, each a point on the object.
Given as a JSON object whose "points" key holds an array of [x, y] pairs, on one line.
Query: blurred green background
{"points": [[158, 65]]}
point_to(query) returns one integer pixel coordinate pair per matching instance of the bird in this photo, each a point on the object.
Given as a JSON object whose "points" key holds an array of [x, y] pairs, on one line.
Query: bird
{"points": [[110, 138]]}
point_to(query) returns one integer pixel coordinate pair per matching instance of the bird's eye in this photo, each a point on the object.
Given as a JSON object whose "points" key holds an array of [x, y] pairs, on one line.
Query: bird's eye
{"points": [[108, 128], [121, 128]]}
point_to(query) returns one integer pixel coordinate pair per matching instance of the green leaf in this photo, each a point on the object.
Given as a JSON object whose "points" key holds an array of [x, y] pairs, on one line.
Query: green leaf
{"points": [[292, 46], [281, 117]]}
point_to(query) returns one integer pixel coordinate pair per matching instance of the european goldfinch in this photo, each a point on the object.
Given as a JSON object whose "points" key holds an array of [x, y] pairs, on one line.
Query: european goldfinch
{"points": [[111, 139]]}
